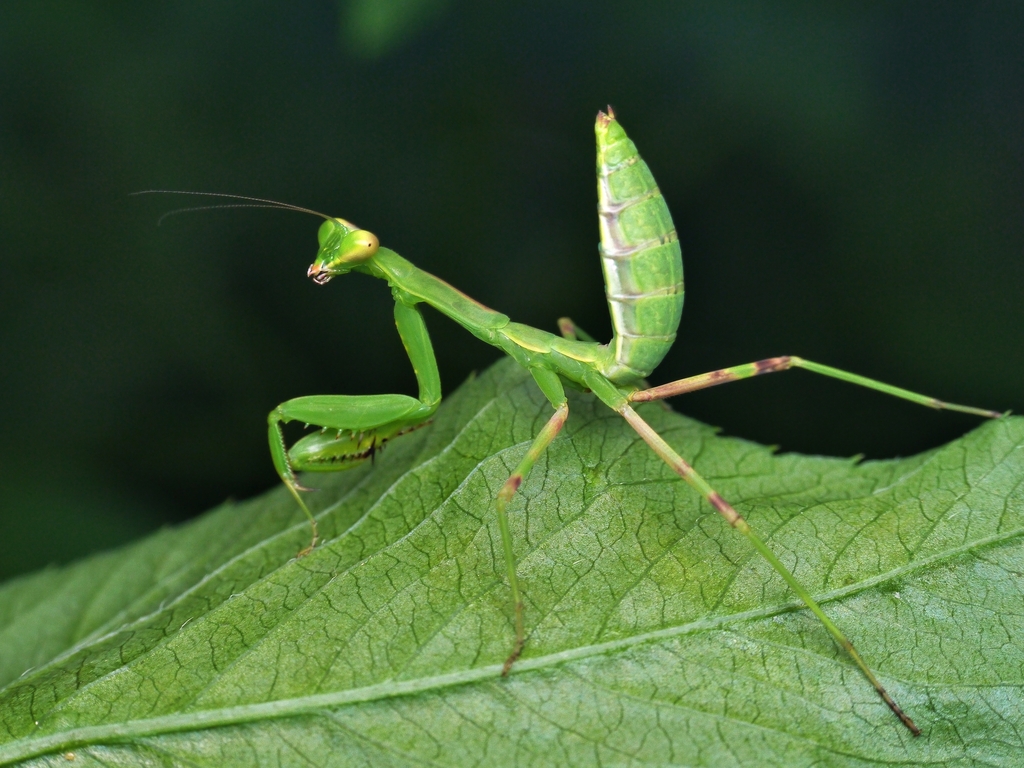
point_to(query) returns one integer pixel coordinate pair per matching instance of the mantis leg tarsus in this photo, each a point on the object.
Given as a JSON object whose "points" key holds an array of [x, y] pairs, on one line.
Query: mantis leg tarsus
{"points": [[520, 640], [679, 465], [787, 362], [313, 542]]}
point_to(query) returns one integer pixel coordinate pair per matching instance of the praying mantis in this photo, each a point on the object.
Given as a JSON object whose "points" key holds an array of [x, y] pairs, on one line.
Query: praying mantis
{"points": [[642, 263]]}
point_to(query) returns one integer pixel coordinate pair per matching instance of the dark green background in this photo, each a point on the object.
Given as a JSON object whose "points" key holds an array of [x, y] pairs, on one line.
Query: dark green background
{"points": [[848, 185]]}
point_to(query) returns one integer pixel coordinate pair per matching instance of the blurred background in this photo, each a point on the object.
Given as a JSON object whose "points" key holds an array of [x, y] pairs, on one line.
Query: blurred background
{"points": [[847, 181]]}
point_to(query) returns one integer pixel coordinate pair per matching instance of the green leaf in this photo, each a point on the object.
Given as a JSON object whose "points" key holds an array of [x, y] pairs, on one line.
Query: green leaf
{"points": [[656, 636]]}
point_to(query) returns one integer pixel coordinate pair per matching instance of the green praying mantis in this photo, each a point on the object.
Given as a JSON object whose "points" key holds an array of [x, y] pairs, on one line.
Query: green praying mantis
{"points": [[643, 271]]}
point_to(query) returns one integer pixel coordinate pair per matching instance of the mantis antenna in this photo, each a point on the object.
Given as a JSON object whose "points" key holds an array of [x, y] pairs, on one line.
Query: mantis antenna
{"points": [[256, 202]]}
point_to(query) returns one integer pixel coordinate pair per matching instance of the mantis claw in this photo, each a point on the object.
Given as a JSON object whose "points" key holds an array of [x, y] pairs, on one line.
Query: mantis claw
{"points": [[312, 545], [507, 666]]}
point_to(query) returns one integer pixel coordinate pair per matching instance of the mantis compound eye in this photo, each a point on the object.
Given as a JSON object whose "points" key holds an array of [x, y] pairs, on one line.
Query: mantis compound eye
{"points": [[357, 246]]}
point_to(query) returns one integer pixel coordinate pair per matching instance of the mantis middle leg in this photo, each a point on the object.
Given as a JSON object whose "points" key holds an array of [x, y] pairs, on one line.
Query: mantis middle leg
{"points": [[354, 427], [552, 388], [784, 363]]}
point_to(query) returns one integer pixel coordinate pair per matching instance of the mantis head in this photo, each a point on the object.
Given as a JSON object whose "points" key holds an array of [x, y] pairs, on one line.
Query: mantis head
{"points": [[342, 247]]}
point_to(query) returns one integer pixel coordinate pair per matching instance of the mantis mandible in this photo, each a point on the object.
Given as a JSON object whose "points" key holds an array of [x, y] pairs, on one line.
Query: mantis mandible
{"points": [[643, 271]]}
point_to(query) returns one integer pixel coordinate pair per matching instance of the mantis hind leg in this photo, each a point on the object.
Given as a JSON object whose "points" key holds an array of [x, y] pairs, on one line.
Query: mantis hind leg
{"points": [[617, 401], [784, 363], [552, 388], [739, 523]]}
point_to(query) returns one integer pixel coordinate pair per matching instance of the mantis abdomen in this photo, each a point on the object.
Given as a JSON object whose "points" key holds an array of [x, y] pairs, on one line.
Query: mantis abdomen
{"points": [[640, 256]]}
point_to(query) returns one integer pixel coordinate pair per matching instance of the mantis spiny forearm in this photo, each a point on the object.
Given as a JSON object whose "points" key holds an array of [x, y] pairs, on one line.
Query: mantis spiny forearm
{"points": [[643, 271]]}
